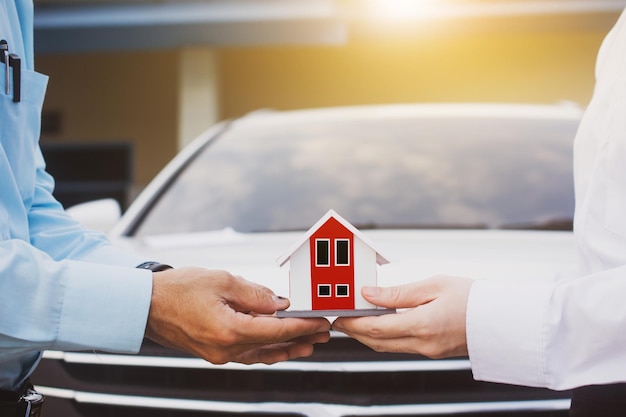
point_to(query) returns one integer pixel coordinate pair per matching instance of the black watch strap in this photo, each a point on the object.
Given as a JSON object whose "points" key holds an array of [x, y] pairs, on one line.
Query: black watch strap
{"points": [[154, 266]]}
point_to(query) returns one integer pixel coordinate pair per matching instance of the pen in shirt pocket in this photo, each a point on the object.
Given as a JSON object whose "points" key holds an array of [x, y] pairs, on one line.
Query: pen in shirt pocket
{"points": [[13, 62], [4, 57]]}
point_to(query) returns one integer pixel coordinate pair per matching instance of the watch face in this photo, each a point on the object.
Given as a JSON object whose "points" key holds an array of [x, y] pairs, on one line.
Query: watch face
{"points": [[154, 266]]}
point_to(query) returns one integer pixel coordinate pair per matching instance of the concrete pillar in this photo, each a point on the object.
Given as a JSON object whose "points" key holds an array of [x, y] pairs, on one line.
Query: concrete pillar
{"points": [[198, 95]]}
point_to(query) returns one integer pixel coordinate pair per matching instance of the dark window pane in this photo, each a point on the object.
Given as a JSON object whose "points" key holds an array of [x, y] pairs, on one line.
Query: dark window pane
{"points": [[322, 252], [342, 254], [323, 290], [342, 290]]}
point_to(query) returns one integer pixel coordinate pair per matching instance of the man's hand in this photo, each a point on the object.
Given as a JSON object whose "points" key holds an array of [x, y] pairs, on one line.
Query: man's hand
{"points": [[433, 325], [223, 318]]}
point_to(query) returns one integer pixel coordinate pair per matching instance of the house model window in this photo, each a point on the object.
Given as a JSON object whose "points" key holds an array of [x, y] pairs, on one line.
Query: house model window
{"points": [[323, 290], [322, 252], [342, 252], [328, 268], [342, 290]]}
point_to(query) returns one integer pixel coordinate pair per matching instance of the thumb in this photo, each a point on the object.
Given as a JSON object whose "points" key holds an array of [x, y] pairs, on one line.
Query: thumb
{"points": [[402, 296], [253, 297]]}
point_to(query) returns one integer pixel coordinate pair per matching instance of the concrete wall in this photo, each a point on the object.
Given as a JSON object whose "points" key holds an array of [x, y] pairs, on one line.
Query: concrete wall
{"points": [[161, 99], [513, 68], [113, 97]]}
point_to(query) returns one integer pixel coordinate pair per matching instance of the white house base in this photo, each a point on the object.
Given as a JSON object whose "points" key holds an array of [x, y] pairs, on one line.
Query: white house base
{"points": [[336, 313]]}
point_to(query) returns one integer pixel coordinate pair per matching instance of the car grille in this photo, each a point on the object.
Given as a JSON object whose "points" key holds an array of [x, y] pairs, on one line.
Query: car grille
{"points": [[342, 378]]}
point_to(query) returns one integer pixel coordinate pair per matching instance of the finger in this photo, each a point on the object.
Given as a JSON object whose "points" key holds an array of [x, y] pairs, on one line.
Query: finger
{"points": [[270, 329], [427, 346], [388, 326], [403, 296], [401, 344], [269, 354], [315, 338], [298, 348], [274, 352], [388, 333], [247, 296], [321, 337]]}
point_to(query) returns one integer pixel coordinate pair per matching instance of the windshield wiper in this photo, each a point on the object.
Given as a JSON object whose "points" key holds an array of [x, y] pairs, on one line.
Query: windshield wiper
{"points": [[421, 226], [562, 224]]}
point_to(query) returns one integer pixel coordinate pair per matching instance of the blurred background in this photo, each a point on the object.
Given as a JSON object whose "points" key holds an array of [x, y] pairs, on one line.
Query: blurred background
{"points": [[133, 81]]}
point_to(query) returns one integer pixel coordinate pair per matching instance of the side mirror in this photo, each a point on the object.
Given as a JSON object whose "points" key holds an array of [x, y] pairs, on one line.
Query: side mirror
{"points": [[99, 215]]}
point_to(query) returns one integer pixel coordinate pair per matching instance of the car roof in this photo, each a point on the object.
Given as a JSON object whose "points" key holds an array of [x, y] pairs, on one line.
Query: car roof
{"points": [[564, 110]]}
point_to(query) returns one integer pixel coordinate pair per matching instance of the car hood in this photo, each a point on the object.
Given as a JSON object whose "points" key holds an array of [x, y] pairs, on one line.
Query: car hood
{"points": [[413, 254]]}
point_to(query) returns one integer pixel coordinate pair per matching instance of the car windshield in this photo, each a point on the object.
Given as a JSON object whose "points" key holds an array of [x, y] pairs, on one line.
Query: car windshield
{"points": [[438, 172]]}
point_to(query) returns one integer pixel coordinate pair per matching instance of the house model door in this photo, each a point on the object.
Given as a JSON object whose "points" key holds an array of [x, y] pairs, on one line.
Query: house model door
{"points": [[332, 267]]}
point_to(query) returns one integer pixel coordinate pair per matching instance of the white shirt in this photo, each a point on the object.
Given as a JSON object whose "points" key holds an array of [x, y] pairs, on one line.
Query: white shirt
{"points": [[570, 332]]}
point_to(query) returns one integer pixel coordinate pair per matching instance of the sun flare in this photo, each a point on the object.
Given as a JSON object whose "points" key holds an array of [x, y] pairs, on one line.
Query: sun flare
{"points": [[401, 9]]}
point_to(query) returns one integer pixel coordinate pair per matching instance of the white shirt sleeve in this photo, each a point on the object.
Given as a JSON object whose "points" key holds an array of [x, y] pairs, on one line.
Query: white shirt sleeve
{"points": [[559, 335], [568, 333]]}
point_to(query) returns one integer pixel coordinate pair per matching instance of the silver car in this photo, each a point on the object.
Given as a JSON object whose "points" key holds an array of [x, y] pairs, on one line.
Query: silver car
{"points": [[480, 190]]}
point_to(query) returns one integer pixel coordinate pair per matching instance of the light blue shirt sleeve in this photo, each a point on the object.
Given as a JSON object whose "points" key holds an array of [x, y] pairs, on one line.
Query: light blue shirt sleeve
{"points": [[61, 286]]}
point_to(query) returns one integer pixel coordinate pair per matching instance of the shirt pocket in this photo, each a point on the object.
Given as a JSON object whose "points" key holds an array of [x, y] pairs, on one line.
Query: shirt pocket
{"points": [[20, 128], [26, 112]]}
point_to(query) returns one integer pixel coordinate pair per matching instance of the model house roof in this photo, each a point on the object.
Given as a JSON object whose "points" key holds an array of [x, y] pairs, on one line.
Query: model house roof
{"points": [[381, 260]]}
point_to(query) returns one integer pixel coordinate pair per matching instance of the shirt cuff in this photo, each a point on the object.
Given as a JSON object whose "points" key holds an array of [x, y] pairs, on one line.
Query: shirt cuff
{"points": [[505, 322], [104, 307], [113, 255]]}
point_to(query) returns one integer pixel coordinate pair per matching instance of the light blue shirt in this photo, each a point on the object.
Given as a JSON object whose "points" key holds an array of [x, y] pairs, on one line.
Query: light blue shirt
{"points": [[61, 287]]}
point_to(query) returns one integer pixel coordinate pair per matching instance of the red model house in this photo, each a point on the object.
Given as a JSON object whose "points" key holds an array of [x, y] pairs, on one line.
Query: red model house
{"points": [[328, 267]]}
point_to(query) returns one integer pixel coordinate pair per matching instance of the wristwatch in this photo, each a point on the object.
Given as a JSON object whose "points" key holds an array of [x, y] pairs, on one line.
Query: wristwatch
{"points": [[154, 266]]}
